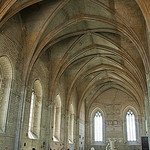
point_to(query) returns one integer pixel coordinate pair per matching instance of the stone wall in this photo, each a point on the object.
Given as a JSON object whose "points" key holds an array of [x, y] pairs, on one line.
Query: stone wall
{"points": [[75, 52], [114, 104], [82, 128], [40, 72], [11, 46]]}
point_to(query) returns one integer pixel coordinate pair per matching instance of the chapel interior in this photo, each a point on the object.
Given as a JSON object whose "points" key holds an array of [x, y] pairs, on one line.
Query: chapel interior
{"points": [[74, 74]]}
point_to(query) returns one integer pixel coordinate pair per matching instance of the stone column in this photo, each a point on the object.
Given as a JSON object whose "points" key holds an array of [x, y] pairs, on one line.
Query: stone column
{"points": [[146, 102], [49, 126], [77, 133], [86, 135], [58, 122], [66, 129], [87, 131], [147, 106], [20, 118]]}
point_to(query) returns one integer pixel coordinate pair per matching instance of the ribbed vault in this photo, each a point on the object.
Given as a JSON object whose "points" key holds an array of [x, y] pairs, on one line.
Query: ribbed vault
{"points": [[95, 45]]}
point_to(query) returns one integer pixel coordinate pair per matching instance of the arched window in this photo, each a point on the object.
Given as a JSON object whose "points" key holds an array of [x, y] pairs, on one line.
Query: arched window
{"points": [[130, 125], [5, 86], [98, 127], [31, 111], [57, 119], [71, 124], [35, 111]]}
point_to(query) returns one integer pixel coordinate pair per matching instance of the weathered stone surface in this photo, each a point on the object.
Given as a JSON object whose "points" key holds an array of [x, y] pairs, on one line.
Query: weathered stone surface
{"points": [[94, 54]]}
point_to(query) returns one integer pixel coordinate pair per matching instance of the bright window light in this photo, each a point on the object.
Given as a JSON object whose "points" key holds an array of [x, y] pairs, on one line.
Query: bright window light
{"points": [[31, 111], [131, 129], [98, 132]]}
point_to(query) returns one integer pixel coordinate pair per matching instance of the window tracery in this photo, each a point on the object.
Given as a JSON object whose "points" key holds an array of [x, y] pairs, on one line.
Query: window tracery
{"points": [[130, 125], [98, 127]]}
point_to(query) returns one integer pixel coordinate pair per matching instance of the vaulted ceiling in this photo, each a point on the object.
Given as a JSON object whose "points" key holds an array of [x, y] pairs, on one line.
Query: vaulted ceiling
{"points": [[95, 45]]}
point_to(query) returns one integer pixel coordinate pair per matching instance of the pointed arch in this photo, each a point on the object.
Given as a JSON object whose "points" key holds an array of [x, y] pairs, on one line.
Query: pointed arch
{"points": [[131, 125], [35, 111], [5, 88], [97, 126]]}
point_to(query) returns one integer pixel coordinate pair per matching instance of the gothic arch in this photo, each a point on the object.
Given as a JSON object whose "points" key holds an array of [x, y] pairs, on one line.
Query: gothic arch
{"points": [[5, 89], [35, 111], [92, 126], [136, 113]]}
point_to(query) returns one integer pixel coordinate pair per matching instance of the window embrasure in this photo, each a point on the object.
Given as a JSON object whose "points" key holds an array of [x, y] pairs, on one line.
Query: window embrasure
{"points": [[97, 126], [131, 126], [5, 89], [35, 111], [57, 119], [71, 124]]}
